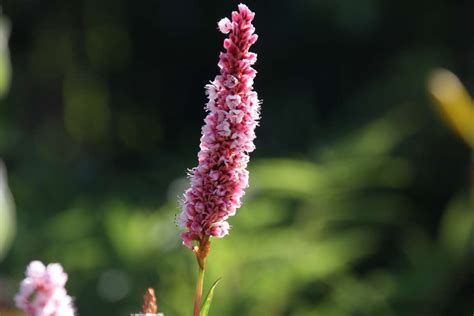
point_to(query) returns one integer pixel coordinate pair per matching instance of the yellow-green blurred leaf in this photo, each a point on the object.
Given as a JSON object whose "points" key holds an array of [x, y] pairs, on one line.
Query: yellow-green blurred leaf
{"points": [[5, 65], [454, 103]]}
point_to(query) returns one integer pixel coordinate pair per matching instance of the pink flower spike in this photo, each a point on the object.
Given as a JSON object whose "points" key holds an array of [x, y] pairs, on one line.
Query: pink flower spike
{"points": [[219, 180], [42, 292]]}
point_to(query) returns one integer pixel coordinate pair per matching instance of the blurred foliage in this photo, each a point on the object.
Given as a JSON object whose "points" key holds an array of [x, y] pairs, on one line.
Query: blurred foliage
{"points": [[358, 201], [7, 208]]}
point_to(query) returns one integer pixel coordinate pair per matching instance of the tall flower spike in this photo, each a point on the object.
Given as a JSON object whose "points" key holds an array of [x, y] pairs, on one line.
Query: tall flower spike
{"points": [[42, 292], [219, 180]]}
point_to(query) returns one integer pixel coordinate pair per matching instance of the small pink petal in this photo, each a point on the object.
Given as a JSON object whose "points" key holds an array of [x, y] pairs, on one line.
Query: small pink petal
{"points": [[225, 26]]}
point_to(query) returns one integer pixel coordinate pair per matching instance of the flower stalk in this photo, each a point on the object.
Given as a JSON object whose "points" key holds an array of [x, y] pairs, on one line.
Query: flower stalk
{"points": [[199, 288], [221, 177], [201, 253]]}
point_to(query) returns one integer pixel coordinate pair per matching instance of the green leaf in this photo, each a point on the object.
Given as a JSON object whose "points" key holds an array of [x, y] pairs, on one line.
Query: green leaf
{"points": [[207, 302]]}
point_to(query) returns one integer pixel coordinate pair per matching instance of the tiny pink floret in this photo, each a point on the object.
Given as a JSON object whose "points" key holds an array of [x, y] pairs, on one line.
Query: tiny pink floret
{"points": [[42, 292], [224, 25], [219, 180]]}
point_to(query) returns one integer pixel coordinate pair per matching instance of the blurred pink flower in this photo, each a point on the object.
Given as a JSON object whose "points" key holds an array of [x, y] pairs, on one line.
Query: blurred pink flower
{"points": [[42, 292], [219, 180]]}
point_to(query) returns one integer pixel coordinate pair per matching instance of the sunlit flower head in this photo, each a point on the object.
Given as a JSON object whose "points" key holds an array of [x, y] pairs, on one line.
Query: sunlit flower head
{"points": [[219, 180]]}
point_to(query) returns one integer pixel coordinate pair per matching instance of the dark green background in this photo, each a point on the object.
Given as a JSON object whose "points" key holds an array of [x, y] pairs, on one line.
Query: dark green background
{"points": [[358, 200]]}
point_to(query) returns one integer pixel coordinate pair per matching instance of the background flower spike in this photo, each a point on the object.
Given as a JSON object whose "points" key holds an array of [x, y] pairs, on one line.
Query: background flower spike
{"points": [[150, 307]]}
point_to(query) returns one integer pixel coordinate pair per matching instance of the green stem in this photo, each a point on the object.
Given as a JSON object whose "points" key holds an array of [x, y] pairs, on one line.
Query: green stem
{"points": [[198, 297]]}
